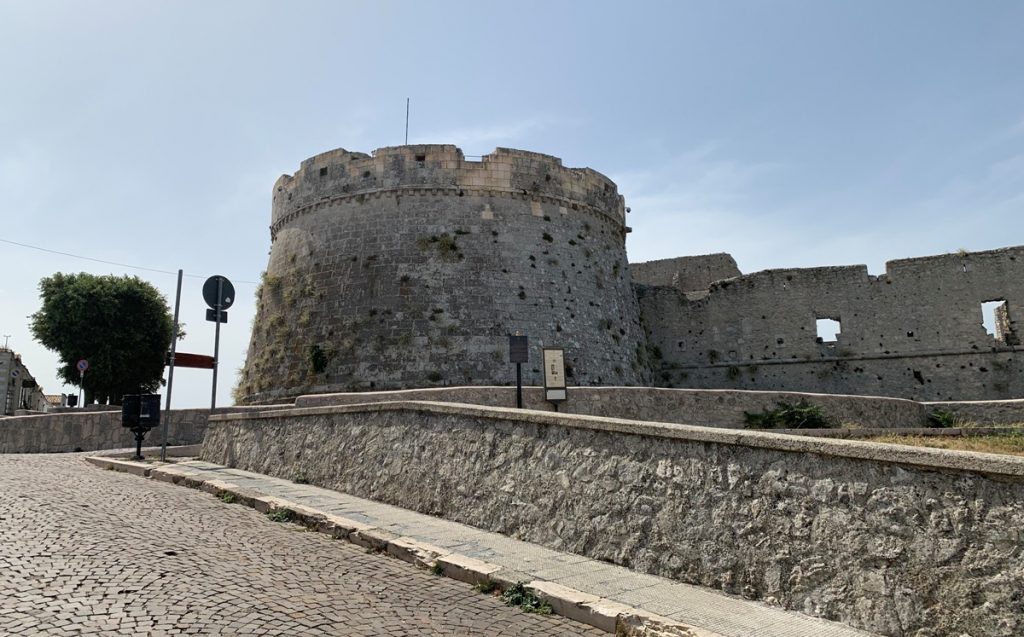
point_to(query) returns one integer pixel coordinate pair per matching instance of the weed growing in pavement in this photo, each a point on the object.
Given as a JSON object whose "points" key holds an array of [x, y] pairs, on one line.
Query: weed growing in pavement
{"points": [[525, 599], [227, 497], [281, 515], [437, 569], [486, 586], [301, 479]]}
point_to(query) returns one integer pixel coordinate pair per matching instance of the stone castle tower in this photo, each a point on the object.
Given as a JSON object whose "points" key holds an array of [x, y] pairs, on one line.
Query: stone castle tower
{"points": [[410, 267]]}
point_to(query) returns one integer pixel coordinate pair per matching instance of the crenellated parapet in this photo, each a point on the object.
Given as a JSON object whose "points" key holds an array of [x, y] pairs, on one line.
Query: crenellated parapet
{"points": [[340, 176], [410, 267]]}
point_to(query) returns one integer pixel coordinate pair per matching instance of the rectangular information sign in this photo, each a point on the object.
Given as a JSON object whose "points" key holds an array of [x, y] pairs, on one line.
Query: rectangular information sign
{"points": [[554, 374], [518, 351]]}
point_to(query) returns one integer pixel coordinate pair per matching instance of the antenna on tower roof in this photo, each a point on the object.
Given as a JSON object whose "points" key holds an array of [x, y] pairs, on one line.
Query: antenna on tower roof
{"points": [[407, 121]]}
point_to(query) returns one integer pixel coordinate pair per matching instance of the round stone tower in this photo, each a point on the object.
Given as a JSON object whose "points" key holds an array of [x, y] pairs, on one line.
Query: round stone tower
{"points": [[411, 266]]}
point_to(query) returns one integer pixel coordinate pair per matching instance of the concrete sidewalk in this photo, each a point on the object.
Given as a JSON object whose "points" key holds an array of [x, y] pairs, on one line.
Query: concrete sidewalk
{"points": [[588, 590]]}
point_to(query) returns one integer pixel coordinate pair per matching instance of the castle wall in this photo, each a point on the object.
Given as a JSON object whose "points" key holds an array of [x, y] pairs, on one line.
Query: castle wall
{"points": [[703, 407], [915, 332], [896, 540], [687, 274], [410, 267]]}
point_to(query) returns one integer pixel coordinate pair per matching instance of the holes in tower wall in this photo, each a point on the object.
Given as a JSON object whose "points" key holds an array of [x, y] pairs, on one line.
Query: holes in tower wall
{"points": [[995, 317], [828, 329]]}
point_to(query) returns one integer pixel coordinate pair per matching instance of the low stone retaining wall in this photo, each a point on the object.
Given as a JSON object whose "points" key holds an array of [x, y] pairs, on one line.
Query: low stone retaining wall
{"points": [[896, 540], [984, 412], [703, 407], [88, 430]]}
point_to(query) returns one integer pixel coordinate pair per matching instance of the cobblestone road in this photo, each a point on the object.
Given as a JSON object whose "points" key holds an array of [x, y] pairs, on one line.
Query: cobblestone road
{"points": [[86, 551]]}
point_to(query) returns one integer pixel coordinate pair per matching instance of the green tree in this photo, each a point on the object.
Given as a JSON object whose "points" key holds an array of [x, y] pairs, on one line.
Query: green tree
{"points": [[121, 325]]}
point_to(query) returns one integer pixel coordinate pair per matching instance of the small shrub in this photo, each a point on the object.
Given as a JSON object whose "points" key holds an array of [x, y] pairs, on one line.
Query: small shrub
{"points": [[486, 586], [227, 497], [434, 376], [941, 419], [802, 415], [525, 599], [300, 478], [436, 568], [281, 515]]}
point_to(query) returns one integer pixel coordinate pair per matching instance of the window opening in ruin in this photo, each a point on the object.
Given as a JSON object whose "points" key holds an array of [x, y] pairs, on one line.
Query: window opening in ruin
{"points": [[828, 330], [323, 172], [421, 158], [993, 315]]}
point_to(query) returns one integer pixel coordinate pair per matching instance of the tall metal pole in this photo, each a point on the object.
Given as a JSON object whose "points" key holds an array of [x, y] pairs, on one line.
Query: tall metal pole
{"points": [[81, 385], [407, 121], [170, 373], [519, 385], [216, 341]]}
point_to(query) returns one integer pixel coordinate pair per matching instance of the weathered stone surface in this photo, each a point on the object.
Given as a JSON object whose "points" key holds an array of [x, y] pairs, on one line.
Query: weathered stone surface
{"points": [[983, 412], [914, 332], [704, 407], [99, 428], [896, 540], [89, 552], [411, 267]]}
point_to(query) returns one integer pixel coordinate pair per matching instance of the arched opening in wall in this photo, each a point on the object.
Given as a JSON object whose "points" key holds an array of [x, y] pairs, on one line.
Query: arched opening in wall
{"points": [[996, 319], [828, 329]]}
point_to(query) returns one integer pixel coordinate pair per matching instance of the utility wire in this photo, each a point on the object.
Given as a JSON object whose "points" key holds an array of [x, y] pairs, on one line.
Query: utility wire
{"points": [[123, 265]]}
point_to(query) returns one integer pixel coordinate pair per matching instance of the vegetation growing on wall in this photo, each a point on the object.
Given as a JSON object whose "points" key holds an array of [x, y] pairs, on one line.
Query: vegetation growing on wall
{"points": [[802, 415]]}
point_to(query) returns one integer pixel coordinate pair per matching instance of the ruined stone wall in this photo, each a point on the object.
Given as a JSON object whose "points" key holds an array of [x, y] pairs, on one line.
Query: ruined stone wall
{"points": [[914, 332], [895, 540], [410, 267], [688, 274]]}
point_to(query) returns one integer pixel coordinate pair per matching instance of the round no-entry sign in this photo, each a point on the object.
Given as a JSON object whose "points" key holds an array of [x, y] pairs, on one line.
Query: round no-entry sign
{"points": [[227, 292], [82, 365]]}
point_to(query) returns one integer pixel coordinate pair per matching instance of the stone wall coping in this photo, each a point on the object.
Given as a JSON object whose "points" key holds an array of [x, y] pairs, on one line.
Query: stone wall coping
{"points": [[937, 459], [619, 388], [1009, 402]]}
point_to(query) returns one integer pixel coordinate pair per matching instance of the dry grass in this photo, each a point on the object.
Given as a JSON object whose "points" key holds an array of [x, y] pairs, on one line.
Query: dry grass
{"points": [[1007, 444]]}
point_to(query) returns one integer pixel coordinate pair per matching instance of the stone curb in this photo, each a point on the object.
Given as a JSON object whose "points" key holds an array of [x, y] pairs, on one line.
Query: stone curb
{"points": [[602, 613]]}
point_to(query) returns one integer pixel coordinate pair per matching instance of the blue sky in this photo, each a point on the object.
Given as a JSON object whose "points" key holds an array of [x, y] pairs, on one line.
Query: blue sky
{"points": [[789, 134]]}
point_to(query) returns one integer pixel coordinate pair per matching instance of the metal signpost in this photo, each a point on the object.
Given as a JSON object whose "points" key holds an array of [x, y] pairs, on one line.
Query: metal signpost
{"points": [[518, 353], [140, 413], [170, 372], [82, 365], [219, 294], [554, 375]]}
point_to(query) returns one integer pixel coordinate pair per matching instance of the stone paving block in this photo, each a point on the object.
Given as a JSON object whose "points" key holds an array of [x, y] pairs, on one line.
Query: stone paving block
{"points": [[90, 552]]}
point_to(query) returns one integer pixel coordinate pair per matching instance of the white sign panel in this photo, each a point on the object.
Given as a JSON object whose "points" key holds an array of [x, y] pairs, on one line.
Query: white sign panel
{"points": [[554, 374]]}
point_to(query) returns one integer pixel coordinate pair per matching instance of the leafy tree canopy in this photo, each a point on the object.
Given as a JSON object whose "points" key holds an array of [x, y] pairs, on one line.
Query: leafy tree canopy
{"points": [[121, 325]]}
